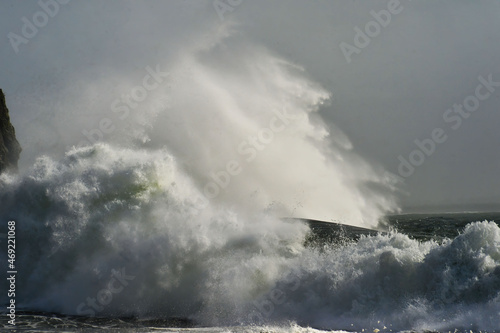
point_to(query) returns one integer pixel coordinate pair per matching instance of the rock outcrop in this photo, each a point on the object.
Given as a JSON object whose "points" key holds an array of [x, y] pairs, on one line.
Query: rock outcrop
{"points": [[10, 149]]}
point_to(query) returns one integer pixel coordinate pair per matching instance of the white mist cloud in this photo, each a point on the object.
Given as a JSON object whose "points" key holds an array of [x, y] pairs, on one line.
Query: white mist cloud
{"points": [[393, 92]]}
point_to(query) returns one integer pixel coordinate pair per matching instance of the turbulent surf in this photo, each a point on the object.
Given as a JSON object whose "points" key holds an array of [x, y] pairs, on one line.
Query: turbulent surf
{"points": [[178, 213]]}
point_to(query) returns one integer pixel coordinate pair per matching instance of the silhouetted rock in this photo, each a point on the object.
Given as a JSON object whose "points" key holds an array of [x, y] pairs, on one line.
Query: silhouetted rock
{"points": [[10, 149]]}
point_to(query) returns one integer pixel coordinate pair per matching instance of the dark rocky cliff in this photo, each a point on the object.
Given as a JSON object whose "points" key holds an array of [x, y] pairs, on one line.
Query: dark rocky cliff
{"points": [[10, 149]]}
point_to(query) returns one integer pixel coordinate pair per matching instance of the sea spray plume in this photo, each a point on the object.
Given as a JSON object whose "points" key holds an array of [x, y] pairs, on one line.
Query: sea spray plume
{"points": [[241, 104], [103, 209], [138, 205], [228, 100]]}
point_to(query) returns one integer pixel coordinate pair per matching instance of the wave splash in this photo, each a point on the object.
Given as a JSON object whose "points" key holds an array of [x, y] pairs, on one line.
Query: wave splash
{"points": [[125, 228], [105, 213], [241, 122]]}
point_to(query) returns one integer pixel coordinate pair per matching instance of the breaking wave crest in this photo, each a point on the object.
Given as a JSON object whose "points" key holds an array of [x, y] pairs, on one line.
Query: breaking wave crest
{"points": [[105, 213], [125, 227]]}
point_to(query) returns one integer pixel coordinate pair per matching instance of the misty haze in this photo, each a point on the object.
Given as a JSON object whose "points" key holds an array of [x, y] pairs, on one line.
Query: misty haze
{"points": [[250, 166]]}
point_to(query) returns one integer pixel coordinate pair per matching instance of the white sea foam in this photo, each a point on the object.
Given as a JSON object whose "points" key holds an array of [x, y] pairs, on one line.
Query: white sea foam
{"points": [[138, 207], [101, 209]]}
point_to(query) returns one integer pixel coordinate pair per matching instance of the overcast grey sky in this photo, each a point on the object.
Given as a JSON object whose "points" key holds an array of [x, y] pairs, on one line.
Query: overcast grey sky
{"points": [[392, 90]]}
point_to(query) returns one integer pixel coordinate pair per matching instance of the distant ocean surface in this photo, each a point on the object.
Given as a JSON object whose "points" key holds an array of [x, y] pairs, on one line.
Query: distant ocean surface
{"points": [[429, 272]]}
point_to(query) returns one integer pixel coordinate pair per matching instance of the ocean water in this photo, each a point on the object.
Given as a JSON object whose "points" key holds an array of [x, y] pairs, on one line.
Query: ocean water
{"points": [[111, 238], [180, 220]]}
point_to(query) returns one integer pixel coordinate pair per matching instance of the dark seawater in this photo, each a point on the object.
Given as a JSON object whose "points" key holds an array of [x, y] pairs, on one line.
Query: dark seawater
{"points": [[422, 227], [438, 226], [442, 230]]}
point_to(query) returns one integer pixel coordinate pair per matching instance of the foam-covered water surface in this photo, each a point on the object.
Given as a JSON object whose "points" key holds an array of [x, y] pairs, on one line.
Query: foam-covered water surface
{"points": [[128, 230], [178, 215]]}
